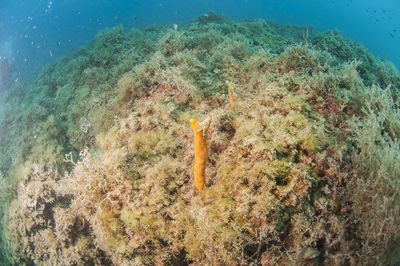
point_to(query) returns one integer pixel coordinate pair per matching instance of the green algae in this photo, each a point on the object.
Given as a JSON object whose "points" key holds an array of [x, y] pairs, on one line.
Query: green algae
{"points": [[312, 138]]}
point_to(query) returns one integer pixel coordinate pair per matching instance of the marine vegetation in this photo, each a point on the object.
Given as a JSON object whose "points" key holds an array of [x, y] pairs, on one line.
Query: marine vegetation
{"points": [[97, 155]]}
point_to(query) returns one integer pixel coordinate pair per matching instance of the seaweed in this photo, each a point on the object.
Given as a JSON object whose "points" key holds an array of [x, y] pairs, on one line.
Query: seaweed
{"points": [[97, 167]]}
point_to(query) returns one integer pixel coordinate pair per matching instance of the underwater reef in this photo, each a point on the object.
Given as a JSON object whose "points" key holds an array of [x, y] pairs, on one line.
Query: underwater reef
{"points": [[303, 167]]}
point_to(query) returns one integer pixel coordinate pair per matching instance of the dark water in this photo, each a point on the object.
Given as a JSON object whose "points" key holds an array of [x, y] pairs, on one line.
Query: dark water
{"points": [[33, 33]]}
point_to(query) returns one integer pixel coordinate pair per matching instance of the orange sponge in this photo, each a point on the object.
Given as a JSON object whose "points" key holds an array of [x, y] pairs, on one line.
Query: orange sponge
{"points": [[200, 151], [230, 91]]}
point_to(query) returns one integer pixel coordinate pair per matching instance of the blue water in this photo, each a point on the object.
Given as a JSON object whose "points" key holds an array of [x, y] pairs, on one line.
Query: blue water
{"points": [[36, 32]]}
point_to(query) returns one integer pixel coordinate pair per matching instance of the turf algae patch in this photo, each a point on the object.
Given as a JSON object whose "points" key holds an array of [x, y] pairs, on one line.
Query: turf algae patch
{"points": [[98, 166]]}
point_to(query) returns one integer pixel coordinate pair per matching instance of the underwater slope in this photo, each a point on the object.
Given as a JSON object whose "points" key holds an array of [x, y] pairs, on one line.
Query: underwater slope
{"points": [[304, 168]]}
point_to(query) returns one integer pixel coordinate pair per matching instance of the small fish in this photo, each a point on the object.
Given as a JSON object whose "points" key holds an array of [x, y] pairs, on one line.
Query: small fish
{"points": [[391, 34]]}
